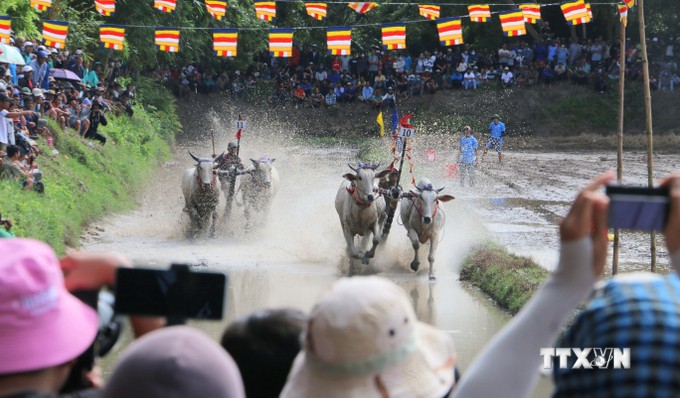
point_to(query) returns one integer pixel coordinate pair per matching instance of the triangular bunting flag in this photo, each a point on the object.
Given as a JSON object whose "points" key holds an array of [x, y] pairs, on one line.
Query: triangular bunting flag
{"points": [[512, 23], [429, 11], [165, 5], [216, 8], [105, 7], [623, 13], [590, 11], [112, 36], [167, 39], [225, 42], [479, 12], [531, 12], [41, 5], [281, 42], [339, 40], [317, 10], [394, 36], [362, 8], [5, 29], [265, 10], [450, 31], [54, 33], [575, 12], [630, 3]]}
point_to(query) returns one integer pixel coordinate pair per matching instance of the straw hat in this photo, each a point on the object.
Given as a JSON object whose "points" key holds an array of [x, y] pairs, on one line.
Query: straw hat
{"points": [[364, 341]]}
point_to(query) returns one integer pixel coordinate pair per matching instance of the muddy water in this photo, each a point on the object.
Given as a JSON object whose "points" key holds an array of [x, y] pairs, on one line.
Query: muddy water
{"points": [[300, 251]]}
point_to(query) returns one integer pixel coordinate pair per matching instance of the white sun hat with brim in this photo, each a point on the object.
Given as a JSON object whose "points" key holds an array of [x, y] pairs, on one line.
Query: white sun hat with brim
{"points": [[364, 341]]}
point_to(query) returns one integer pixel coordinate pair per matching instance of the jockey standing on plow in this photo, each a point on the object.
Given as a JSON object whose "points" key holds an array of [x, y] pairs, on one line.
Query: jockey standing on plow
{"points": [[228, 167]]}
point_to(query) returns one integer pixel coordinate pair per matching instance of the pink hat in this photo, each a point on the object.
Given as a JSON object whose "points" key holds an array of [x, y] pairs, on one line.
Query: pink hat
{"points": [[41, 324], [364, 341]]}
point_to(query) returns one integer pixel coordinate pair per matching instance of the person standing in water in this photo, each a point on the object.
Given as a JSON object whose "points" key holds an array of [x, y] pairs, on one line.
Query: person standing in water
{"points": [[497, 131]]}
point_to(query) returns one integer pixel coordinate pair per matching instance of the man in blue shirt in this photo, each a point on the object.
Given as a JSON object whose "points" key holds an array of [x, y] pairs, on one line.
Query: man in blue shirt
{"points": [[497, 131], [467, 158]]}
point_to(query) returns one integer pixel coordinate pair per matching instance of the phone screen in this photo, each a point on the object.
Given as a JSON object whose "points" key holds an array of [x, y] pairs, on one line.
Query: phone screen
{"points": [[643, 209], [189, 294]]}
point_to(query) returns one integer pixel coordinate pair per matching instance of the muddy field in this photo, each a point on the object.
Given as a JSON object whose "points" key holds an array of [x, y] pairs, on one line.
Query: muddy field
{"points": [[301, 250]]}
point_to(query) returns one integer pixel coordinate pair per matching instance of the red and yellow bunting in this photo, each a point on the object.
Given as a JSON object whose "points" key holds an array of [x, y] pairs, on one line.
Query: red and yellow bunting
{"points": [[165, 5], [590, 11], [362, 8], [623, 14], [339, 40], [531, 12], [479, 12], [225, 42], [105, 7], [54, 33], [450, 31], [216, 8], [281, 42], [394, 36], [630, 3], [317, 10], [112, 36], [512, 23], [167, 39], [265, 10], [41, 5], [429, 11], [5, 29], [575, 12]]}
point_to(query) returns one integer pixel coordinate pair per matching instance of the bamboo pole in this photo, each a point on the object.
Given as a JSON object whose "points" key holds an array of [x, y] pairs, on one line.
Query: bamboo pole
{"points": [[619, 136], [648, 116]]}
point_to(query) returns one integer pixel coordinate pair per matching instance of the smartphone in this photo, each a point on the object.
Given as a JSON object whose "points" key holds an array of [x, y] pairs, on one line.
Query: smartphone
{"points": [[176, 292], [637, 208]]}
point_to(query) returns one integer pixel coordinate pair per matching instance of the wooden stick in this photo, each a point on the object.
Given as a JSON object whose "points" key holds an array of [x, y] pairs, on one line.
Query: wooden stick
{"points": [[619, 136], [648, 116]]}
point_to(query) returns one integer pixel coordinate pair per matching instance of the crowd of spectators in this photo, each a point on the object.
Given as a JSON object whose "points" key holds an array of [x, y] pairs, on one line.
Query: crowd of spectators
{"points": [[31, 94], [313, 78]]}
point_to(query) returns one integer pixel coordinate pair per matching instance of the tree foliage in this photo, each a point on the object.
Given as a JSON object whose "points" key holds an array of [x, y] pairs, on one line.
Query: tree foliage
{"points": [[196, 37]]}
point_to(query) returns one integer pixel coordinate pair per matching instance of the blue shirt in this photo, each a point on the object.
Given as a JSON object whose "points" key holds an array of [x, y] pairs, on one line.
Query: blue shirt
{"points": [[468, 149], [496, 129]]}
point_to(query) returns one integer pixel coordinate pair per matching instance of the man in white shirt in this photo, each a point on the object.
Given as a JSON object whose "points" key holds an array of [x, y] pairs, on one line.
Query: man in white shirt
{"points": [[5, 116], [470, 80], [507, 78]]}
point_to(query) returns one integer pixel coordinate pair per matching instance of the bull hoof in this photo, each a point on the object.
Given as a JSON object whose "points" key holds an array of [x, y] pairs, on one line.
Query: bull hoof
{"points": [[365, 260], [415, 265], [432, 277]]}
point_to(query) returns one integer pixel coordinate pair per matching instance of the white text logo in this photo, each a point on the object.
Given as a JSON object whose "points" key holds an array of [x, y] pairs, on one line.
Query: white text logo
{"points": [[587, 358]]}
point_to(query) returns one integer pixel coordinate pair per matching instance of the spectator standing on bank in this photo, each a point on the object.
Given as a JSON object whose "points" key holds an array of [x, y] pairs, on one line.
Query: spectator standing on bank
{"points": [[467, 157], [497, 131]]}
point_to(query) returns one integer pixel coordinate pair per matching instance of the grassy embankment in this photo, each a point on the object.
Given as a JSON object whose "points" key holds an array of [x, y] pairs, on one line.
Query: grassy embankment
{"points": [[83, 183], [508, 279]]}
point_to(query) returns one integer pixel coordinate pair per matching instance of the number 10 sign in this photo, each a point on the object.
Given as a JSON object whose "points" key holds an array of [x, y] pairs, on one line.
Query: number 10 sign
{"points": [[406, 132]]}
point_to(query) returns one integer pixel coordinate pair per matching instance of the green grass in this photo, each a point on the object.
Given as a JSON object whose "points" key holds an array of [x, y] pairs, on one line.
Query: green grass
{"points": [[508, 279], [84, 183]]}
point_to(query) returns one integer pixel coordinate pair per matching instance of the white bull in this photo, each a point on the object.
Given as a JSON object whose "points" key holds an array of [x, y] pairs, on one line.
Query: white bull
{"points": [[258, 187], [423, 219], [201, 190], [361, 209]]}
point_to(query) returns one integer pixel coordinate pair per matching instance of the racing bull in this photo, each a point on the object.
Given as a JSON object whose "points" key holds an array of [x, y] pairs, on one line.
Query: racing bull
{"points": [[201, 190]]}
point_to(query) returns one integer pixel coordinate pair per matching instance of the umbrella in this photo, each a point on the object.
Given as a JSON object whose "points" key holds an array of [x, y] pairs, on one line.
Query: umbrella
{"points": [[64, 74], [11, 55]]}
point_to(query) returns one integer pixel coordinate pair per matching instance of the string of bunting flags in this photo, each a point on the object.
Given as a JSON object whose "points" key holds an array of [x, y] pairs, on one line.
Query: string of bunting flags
{"points": [[339, 38]]}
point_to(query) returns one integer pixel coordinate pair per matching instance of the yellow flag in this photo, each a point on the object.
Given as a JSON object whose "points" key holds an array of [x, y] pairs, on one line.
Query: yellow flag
{"points": [[381, 124]]}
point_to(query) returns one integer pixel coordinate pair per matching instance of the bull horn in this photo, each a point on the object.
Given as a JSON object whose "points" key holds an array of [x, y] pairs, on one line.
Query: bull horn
{"points": [[194, 157], [440, 189], [419, 189], [353, 169], [374, 167], [218, 157], [255, 162]]}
